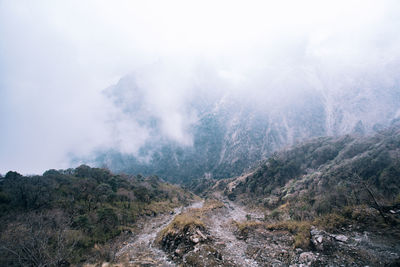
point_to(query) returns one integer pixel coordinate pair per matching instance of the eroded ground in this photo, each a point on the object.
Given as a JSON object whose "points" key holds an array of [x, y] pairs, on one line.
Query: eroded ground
{"points": [[219, 232]]}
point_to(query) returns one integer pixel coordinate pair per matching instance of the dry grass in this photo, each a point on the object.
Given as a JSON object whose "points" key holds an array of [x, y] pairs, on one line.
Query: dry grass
{"points": [[300, 230], [243, 228], [211, 204], [331, 222], [247, 225], [181, 223], [191, 219], [159, 207]]}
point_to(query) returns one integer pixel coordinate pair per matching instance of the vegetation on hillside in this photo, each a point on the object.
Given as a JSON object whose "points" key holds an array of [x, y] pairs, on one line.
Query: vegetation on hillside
{"points": [[350, 182], [327, 175], [70, 216]]}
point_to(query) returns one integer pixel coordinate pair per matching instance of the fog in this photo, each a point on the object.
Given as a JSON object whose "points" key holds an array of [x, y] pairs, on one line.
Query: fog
{"points": [[60, 60]]}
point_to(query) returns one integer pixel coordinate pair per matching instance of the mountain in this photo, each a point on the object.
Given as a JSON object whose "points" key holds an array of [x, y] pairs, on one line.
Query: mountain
{"points": [[325, 202], [223, 134], [320, 175]]}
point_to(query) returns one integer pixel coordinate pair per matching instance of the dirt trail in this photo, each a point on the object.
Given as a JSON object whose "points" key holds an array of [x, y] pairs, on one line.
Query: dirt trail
{"points": [[222, 230], [140, 250]]}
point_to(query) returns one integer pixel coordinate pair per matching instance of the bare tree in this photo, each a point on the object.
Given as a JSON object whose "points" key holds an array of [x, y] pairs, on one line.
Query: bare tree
{"points": [[376, 204], [38, 240]]}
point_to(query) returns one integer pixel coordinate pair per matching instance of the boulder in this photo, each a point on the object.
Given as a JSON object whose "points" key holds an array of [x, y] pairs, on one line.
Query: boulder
{"points": [[341, 238]]}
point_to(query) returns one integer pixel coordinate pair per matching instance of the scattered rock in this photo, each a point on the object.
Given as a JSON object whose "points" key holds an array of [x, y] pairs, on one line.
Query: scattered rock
{"points": [[178, 252], [205, 255], [201, 234], [321, 240], [341, 238], [218, 243], [307, 258]]}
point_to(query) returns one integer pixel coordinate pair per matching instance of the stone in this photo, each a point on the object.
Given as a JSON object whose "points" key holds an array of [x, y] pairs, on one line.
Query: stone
{"points": [[178, 252], [314, 231], [341, 238], [307, 257], [201, 234]]}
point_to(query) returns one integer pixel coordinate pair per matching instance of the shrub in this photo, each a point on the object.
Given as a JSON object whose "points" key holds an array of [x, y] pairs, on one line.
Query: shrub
{"points": [[331, 222], [275, 214], [300, 230], [243, 228]]}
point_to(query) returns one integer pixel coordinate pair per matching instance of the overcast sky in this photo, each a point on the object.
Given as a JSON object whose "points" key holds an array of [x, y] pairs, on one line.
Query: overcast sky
{"points": [[57, 58]]}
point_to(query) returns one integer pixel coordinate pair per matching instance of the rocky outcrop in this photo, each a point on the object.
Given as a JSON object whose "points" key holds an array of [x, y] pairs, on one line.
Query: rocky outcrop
{"points": [[180, 242], [204, 255], [192, 245], [231, 235]]}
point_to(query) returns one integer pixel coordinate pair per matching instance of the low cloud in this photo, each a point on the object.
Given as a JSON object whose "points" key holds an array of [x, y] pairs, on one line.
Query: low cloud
{"points": [[59, 63]]}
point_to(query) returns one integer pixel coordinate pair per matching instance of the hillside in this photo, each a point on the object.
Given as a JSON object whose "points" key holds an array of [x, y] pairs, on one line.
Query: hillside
{"points": [[77, 215], [324, 174], [222, 135], [327, 201], [200, 133]]}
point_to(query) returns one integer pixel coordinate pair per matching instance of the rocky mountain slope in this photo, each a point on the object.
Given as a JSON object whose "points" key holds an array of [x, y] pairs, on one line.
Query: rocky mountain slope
{"points": [[329, 201], [224, 233], [221, 135], [325, 173], [325, 202]]}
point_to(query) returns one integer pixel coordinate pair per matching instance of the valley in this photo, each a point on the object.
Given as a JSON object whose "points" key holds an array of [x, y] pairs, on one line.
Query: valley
{"points": [[200, 133], [324, 202], [286, 226]]}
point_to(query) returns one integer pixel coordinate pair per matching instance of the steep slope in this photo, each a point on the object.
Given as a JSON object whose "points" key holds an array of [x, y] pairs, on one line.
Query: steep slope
{"points": [[325, 202], [222, 134], [326, 173]]}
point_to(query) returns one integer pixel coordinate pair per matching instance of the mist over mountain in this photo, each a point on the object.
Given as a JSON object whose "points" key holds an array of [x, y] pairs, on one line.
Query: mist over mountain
{"points": [[222, 133], [230, 82], [200, 133]]}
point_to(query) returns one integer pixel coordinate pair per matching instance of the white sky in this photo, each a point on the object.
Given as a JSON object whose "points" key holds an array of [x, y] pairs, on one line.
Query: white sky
{"points": [[56, 58]]}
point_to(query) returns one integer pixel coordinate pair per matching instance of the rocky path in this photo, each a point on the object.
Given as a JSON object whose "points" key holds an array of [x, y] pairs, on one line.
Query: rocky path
{"points": [[140, 250], [261, 247], [222, 231]]}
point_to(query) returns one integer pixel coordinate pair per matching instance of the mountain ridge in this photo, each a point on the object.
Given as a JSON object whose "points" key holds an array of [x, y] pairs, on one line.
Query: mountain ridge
{"points": [[221, 135]]}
